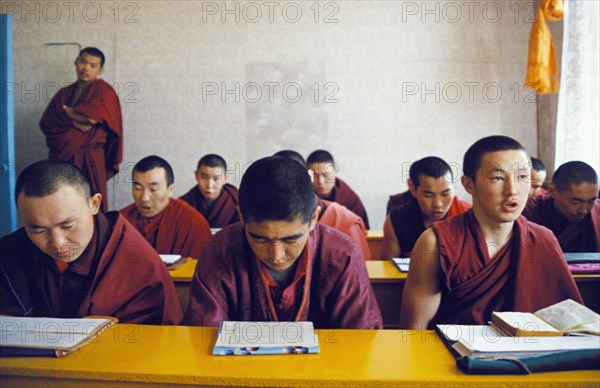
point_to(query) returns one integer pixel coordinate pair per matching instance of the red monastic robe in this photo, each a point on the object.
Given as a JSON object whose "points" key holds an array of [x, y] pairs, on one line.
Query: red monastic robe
{"points": [[342, 219], [177, 229], [97, 152], [529, 272], [222, 213], [407, 221], [399, 200], [118, 275], [331, 286], [581, 236], [345, 196]]}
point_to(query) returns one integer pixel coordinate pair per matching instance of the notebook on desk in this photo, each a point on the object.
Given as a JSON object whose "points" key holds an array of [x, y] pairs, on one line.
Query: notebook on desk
{"points": [[237, 338], [48, 337]]}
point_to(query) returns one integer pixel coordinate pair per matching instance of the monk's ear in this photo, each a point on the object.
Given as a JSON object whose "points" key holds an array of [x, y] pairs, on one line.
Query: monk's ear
{"points": [[411, 187], [311, 174], [95, 201], [314, 218], [468, 184], [170, 189], [552, 190]]}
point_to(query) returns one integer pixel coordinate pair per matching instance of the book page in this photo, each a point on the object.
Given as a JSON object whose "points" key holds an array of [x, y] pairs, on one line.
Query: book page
{"points": [[51, 333], [522, 322], [266, 334], [402, 263], [570, 316], [453, 333]]}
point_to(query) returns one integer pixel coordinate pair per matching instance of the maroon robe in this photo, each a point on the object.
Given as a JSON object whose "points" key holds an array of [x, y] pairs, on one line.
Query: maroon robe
{"points": [[222, 213], [331, 287], [407, 221], [581, 236], [98, 152], [177, 229], [119, 275], [529, 273], [399, 200], [344, 195]]}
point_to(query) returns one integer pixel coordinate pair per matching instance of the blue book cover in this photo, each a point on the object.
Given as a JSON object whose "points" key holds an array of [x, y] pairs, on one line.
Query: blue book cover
{"points": [[237, 338]]}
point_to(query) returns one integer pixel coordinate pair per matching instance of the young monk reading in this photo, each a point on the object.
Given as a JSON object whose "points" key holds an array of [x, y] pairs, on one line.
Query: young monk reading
{"points": [[70, 260], [335, 215], [279, 263], [213, 197], [170, 225], [83, 124], [331, 188], [572, 210], [489, 258], [430, 183]]}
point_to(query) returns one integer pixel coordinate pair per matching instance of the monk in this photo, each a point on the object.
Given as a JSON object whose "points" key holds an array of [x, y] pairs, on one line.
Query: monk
{"points": [[279, 263], [572, 208], [170, 225], [538, 177], [83, 124], [213, 197], [430, 183], [489, 258], [335, 215], [331, 188], [72, 261]]}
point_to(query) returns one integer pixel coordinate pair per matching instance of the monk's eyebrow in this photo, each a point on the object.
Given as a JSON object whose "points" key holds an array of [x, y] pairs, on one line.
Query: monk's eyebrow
{"points": [[290, 237], [583, 200]]}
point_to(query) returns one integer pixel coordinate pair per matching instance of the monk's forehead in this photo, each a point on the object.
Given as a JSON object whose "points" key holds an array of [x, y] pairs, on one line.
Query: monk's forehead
{"points": [[508, 160], [90, 58], [212, 170], [585, 190]]}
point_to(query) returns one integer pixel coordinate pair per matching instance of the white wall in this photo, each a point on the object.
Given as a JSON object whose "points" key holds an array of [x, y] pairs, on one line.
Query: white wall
{"points": [[368, 59]]}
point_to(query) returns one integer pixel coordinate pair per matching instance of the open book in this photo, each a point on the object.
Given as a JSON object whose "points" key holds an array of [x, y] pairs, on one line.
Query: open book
{"points": [[486, 342], [26, 336], [566, 317], [249, 338]]}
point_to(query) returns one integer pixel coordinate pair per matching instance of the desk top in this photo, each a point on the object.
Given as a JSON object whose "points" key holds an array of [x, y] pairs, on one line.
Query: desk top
{"points": [[182, 355], [374, 234], [379, 271]]}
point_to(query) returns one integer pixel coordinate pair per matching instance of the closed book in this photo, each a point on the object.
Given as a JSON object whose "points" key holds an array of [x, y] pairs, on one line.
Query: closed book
{"points": [[242, 338]]}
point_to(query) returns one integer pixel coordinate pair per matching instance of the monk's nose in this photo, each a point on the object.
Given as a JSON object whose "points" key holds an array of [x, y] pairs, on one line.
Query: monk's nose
{"points": [[277, 252]]}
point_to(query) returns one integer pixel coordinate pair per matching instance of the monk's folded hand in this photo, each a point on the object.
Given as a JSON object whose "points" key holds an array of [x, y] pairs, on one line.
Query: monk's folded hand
{"points": [[82, 127]]}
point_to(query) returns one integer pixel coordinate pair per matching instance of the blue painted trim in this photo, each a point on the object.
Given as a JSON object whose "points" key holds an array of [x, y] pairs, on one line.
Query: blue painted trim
{"points": [[8, 218]]}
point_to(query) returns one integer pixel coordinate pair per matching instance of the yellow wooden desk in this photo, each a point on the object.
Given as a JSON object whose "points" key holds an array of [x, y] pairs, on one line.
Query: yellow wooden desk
{"points": [[132, 355], [375, 242]]}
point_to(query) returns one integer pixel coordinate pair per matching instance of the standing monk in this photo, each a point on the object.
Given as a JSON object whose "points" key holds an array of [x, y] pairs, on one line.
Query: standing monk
{"points": [[83, 124]]}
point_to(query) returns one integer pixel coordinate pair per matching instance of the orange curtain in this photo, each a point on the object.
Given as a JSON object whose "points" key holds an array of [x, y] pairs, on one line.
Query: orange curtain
{"points": [[542, 70]]}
